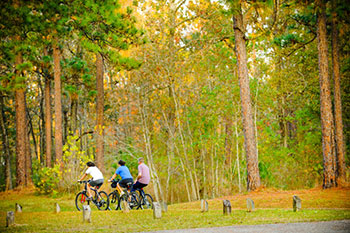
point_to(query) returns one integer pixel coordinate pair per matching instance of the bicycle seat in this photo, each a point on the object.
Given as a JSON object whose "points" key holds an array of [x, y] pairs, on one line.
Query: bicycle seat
{"points": [[129, 185]]}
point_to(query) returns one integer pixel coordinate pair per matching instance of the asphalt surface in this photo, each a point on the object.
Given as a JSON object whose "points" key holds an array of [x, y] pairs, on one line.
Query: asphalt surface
{"points": [[341, 226]]}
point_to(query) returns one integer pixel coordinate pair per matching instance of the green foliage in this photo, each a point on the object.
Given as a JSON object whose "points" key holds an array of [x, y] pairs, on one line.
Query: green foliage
{"points": [[46, 179], [74, 162], [286, 40]]}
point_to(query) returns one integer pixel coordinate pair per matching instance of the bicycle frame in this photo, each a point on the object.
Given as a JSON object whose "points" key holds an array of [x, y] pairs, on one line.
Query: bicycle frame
{"points": [[97, 195], [99, 198]]}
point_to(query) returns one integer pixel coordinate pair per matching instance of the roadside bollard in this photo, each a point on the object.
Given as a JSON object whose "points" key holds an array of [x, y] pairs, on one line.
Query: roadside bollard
{"points": [[250, 205], [86, 213], [204, 205], [157, 210], [10, 218], [226, 207], [57, 208], [18, 208], [296, 203]]}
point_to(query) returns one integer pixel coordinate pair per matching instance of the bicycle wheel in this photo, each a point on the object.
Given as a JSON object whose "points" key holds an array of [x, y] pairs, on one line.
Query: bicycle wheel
{"points": [[80, 200], [121, 200], [113, 200], [134, 200], [147, 202], [103, 201]]}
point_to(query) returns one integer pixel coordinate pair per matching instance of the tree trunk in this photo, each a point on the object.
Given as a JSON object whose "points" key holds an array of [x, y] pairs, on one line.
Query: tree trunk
{"points": [[337, 100], [325, 97], [99, 112], [228, 142], [58, 103], [41, 123], [20, 130], [6, 146], [237, 154], [253, 176], [28, 162], [48, 133], [183, 143], [74, 113]]}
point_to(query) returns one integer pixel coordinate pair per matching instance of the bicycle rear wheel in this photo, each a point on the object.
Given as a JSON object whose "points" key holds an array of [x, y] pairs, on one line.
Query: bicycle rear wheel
{"points": [[103, 202], [113, 200], [134, 200], [147, 202], [131, 199], [80, 200]]}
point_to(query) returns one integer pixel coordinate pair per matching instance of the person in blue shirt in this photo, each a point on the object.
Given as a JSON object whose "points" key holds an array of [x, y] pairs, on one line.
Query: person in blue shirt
{"points": [[124, 173]]}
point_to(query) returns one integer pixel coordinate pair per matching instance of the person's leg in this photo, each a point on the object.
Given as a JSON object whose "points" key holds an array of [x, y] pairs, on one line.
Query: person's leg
{"points": [[136, 186], [120, 189], [89, 190]]}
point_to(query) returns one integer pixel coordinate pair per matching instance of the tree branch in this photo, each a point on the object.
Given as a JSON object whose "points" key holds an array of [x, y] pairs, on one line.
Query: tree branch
{"points": [[88, 132], [303, 45]]}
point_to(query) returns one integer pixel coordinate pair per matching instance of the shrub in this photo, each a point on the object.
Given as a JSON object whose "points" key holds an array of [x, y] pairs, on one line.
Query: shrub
{"points": [[74, 163], [46, 179]]}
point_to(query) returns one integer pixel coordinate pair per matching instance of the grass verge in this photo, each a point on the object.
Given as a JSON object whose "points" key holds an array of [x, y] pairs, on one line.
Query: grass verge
{"points": [[271, 207]]}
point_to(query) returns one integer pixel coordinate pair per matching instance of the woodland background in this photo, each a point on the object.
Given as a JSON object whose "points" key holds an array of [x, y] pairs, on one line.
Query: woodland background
{"points": [[107, 80]]}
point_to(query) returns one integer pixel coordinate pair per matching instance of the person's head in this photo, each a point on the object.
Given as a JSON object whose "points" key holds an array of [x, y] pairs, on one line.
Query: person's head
{"points": [[121, 162], [140, 160], [90, 164]]}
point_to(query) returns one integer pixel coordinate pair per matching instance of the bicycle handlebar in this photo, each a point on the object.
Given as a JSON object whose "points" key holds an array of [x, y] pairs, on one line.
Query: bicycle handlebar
{"points": [[83, 181], [114, 180]]}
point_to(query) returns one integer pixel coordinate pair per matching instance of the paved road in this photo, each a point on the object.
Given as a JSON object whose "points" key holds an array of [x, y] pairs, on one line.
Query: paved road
{"points": [[342, 226]]}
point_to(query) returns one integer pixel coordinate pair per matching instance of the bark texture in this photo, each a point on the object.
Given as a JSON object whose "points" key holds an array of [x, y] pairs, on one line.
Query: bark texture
{"points": [[6, 146], [325, 100], [47, 114], [48, 117], [20, 131], [58, 103], [253, 176], [99, 112], [28, 153], [339, 137]]}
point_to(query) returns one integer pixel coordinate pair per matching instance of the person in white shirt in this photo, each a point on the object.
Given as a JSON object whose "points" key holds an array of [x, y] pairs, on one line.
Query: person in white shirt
{"points": [[97, 177]]}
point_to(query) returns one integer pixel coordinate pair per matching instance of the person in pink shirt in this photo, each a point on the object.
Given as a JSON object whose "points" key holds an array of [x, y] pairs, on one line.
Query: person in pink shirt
{"points": [[143, 178]]}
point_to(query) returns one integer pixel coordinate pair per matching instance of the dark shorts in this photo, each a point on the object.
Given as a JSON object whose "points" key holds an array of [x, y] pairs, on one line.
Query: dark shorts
{"points": [[123, 182], [96, 182], [138, 185]]}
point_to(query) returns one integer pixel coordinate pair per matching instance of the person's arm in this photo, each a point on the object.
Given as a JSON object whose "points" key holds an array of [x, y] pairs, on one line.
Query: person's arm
{"points": [[82, 177], [139, 175], [113, 177]]}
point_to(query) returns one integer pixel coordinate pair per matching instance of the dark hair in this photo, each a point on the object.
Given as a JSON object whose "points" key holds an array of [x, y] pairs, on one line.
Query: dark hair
{"points": [[121, 162], [90, 164]]}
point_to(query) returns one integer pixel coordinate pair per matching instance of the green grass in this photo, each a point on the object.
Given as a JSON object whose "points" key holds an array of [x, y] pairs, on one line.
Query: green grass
{"points": [[38, 213], [134, 221]]}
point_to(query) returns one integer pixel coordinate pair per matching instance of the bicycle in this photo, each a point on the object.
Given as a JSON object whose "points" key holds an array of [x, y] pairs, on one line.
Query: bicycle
{"points": [[100, 199], [146, 200], [131, 198]]}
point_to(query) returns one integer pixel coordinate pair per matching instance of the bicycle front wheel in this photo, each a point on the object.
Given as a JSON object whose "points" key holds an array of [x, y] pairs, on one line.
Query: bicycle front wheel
{"points": [[123, 198], [80, 200], [113, 200], [103, 201], [147, 202]]}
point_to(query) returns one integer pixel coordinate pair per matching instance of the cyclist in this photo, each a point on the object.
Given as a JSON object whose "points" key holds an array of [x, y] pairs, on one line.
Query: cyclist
{"points": [[143, 177], [97, 177], [124, 173]]}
